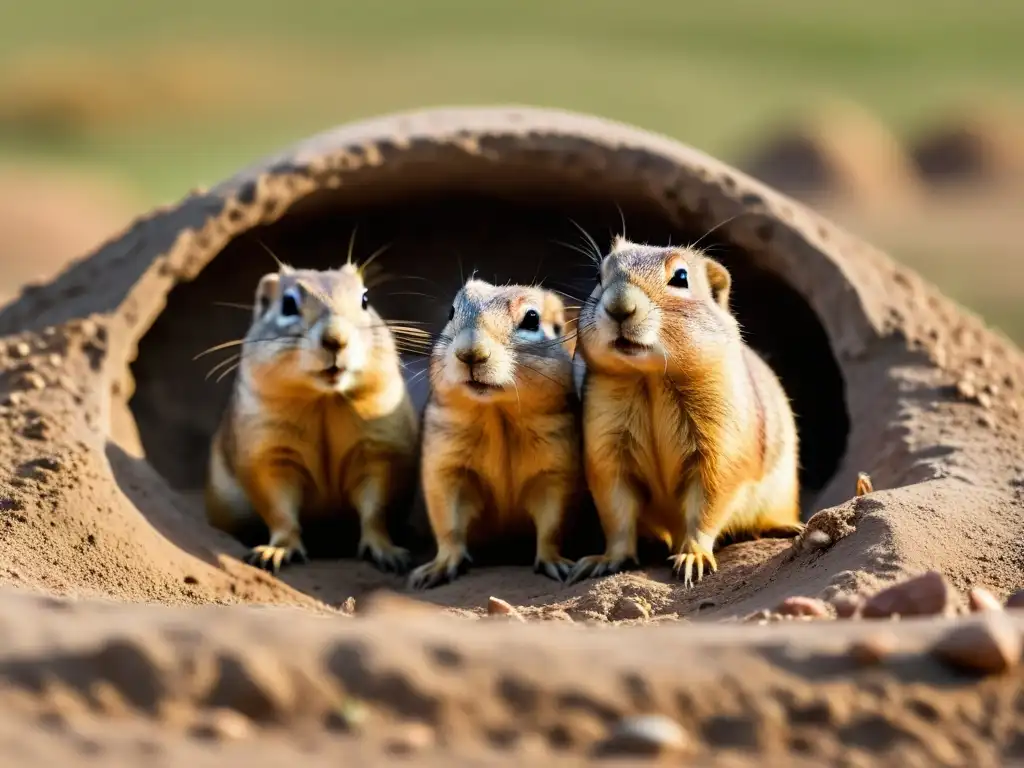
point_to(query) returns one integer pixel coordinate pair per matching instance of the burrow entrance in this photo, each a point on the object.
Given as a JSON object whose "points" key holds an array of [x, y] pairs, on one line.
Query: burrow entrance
{"points": [[434, 241]]}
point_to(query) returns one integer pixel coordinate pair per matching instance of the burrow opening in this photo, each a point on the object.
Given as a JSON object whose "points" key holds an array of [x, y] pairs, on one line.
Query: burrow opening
{"points": [[437, 239]]}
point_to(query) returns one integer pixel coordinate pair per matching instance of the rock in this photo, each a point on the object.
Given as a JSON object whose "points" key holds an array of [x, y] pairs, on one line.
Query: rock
{"points": [[498, 607], [985, 401], [980, 599], [645, 735], [864, 484], [1016, 600], [21, 349], [990, 646], [873, 649], [349, 606], [926, 595], [986, 420], [222, 725], [848, 607], [803, 606]]}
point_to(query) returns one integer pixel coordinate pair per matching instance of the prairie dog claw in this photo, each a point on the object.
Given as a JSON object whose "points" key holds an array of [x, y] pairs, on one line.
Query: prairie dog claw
{"points": [[693, 556]]}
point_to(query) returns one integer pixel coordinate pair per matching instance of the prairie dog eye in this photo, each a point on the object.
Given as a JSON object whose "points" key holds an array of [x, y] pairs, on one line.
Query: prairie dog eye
{"points": [[530, 321], [290, 302], [451, 313], [366, 299], [680, 279]]}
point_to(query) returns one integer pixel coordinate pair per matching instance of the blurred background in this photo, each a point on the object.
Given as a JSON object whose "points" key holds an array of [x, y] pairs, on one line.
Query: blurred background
{"points": [[900, 119]]}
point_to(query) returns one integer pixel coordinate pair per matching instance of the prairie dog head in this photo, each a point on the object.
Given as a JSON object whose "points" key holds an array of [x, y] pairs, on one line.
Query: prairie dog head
{"points": [[502, 343], [656, 309], [316, 330]]}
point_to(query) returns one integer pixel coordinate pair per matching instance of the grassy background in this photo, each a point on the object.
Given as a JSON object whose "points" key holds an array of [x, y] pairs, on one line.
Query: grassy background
{"points": [[182, 93]]}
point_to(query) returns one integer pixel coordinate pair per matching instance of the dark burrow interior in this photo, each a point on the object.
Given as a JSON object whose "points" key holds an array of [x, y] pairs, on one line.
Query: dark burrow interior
{"points": [[434, 241]]}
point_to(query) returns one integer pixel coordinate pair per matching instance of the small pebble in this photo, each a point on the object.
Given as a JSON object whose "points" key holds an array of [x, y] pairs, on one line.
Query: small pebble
{"points": [[966, 389], [864, 484], [815, 540], [413, 737], [926, 595], [873, 649], [986, 420], [985, 401], [980, 600], [646, 735], [222, 725], [21, 349], [349, 606], [32, 380], [55, 360], [988, 647], [803, 606], [498, 607]]}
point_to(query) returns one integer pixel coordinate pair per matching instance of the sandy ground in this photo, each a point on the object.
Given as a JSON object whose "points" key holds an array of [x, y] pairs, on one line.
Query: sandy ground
{"points": [[299, 677]]}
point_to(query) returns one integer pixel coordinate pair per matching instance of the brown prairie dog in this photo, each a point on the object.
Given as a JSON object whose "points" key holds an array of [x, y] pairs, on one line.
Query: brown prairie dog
{"points": [[688, 433], [319, 422], [501, 445]]}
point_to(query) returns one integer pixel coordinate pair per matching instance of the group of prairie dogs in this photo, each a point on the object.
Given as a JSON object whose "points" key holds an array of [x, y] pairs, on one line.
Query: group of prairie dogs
{"points": [[675, 427]]}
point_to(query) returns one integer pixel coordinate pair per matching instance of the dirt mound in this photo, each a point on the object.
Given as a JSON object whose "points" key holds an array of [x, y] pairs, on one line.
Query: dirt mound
{"points": [[839, 153], [106, 420], [974, 146], [50, 216]]}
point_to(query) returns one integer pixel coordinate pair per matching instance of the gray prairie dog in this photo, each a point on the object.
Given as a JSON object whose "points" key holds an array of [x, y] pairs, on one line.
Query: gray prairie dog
{"points": [[319, 422], [501, 442], [688, 433]]}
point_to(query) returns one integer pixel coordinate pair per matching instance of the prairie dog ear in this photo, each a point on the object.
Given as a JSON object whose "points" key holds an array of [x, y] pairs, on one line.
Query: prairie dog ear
{"points": [[719, 281], [266, 294]]}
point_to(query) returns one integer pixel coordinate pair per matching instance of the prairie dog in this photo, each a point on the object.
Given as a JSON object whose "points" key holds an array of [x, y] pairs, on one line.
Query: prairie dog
{"points": [[688, 433], [319, 422], [501, 445]]}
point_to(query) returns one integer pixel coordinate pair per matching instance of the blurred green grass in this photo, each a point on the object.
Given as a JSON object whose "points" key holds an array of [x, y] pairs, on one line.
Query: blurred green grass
{"points": [[717, 75], [712, 74]]}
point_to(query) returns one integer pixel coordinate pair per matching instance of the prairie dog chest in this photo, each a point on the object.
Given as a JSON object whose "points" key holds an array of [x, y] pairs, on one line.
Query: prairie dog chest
{"points": [[639, 426], [502, 449], [323, 438]]}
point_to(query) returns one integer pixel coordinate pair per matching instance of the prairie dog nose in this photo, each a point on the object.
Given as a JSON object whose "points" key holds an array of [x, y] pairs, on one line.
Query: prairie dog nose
{"points": [[620, 309], [473, 354], [332, 340]]}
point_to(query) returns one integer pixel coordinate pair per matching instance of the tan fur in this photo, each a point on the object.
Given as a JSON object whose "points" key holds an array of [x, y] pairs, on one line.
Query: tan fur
{"points": [[499, 461], [297, 442], [688, 435]]}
